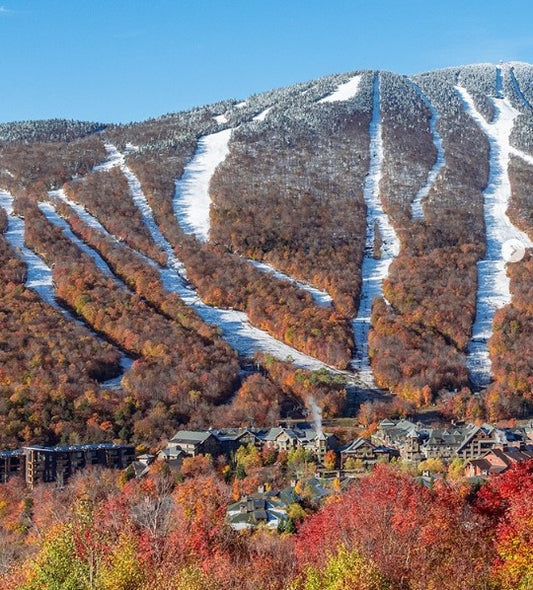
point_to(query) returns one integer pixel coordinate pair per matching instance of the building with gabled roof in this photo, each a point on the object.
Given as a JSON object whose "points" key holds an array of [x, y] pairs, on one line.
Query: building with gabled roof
{"points": [[361, 449], [249, 512], [498, 460]]}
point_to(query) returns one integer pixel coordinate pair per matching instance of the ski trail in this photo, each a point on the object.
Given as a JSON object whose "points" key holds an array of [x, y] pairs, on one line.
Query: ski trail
{"points": [[417, 211], [343, 92], [234, 325], [374, 270], [493, 283], [51, 214], [39, 274], [39, 279], [320, 297], [191, 198]]}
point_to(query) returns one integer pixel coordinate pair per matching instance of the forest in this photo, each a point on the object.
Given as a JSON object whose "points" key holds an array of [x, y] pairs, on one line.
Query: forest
{"points": [[386, 531]]}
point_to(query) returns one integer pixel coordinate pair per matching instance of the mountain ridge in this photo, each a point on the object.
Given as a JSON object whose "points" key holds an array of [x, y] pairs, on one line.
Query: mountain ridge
{"points": [[288, 190]]}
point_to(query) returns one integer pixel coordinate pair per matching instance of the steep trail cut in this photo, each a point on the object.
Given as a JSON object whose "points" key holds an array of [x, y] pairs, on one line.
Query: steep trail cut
{"points": [[51, 214], [320, 297], [493, 282], [343, 92], [417, 210], [191, 198], [39, 274], [375, 264]]}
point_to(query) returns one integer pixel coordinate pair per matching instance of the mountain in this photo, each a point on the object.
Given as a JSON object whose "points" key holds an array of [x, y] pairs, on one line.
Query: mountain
{"points": [[348, 230]]}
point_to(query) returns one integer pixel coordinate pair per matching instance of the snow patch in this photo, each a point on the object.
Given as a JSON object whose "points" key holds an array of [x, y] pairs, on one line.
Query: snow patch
{"points": [[191, 198], [344, 91], [262, 115], [241, 105], [374, 270], [493, 282], [221, 119]]}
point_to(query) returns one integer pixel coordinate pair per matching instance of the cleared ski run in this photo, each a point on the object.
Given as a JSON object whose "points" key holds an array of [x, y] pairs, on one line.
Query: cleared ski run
{"points": [[493, 282], [374, 268]]}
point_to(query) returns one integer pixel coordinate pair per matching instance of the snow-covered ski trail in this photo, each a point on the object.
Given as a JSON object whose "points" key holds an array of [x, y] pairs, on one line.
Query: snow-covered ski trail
{"points": [[234, 325], [262, 115], [493, 283], [39, 279], [192, 203], [374, 269], [191, 197], [417, 210], [39, 274], [343, 92]]}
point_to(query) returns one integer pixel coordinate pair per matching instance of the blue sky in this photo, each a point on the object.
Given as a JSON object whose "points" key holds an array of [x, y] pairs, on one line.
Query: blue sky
{"points": [[124, 60]]}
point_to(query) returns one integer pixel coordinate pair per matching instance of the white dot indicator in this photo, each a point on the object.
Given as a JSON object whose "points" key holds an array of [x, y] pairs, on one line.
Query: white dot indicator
{"points": [[513, 250]]}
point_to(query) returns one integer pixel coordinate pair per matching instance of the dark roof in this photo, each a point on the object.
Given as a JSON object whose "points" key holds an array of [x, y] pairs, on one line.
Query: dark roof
{"points": [[191, 436]]}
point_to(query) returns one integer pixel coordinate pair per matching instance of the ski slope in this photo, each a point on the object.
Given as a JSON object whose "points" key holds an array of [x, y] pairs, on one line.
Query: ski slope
{"points": [[343, 92], [39, 274], [493, 282], [51, 214], [320, 297], [262, 115], [192, 202], [374, 270], [417, 210]]}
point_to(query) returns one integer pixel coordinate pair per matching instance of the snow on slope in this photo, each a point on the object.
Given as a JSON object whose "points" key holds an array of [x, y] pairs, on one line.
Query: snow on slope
{"points": [[344, 91], [221, 119], [39, 278], [320, 297], [39, 274], [417, 210], [191, 199], [493, 283], [373, 270], [518, 90], [262, 115], [234, 325]]}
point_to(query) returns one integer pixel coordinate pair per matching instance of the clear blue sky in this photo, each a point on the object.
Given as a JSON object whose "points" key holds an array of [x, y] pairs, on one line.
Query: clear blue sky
{"points": [[124, 60]]}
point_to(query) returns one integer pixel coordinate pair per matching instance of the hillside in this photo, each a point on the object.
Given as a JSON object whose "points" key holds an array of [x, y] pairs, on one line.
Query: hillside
{"points": [[350, 226]]}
